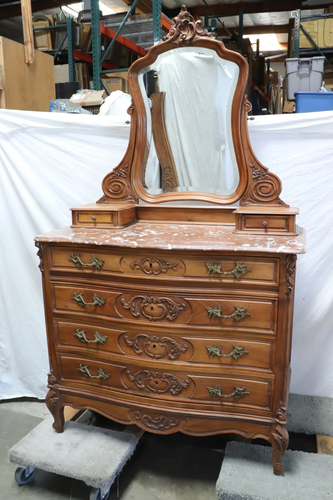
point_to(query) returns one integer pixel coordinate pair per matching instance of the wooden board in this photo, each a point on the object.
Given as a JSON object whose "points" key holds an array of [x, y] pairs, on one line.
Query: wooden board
{"points": [[325, 445], [22, 86]]}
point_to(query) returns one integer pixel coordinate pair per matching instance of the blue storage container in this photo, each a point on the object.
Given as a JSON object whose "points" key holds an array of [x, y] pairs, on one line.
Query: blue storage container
{"points": [[313, 101]]}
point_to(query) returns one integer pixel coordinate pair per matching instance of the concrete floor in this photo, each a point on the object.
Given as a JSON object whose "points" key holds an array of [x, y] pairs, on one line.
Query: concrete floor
{"points": [[175, 467]]}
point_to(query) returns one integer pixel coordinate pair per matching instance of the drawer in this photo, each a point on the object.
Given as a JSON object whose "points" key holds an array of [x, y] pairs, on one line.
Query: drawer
{"points": [[208, 350], [274, 220], [168, 385], [171, 348], [231, 313], [210, 268], [93, 338]]}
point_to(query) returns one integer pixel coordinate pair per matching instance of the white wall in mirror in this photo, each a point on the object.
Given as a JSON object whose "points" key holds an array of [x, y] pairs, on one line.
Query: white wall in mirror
{"points": [[199, 88]]}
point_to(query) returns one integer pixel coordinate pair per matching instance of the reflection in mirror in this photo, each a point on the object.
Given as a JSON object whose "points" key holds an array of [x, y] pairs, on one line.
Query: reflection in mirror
{"points": [[188, 94]]}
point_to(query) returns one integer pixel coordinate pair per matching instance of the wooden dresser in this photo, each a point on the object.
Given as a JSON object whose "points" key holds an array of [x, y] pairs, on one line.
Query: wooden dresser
{"points": [[175, 317]]}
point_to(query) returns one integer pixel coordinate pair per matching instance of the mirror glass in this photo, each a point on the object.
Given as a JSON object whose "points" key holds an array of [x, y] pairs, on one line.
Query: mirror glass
{"points": [[188, 94]]}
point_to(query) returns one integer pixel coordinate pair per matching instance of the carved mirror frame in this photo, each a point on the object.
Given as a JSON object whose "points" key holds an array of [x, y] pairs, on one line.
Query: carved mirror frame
{"points": [[257, 186]]}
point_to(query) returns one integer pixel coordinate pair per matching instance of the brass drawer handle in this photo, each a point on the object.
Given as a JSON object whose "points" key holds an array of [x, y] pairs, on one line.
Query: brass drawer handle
{"points": [[216, 312], [97, 301], [99, 338], [236, 353], [239, 392], [95, 262], [216, 268], [84, 369]]}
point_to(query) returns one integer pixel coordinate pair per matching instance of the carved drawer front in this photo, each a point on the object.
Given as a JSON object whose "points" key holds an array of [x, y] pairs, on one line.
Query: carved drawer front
{"points": [[236, 313], [226, 391], [206, 350], [90, 337]]}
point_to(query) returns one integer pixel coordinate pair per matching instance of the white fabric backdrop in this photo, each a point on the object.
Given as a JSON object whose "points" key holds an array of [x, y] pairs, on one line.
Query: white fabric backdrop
{"points": [[50, 162]]}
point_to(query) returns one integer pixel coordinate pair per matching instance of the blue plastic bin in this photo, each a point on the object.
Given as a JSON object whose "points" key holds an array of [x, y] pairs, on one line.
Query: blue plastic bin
{"points": [[313, 101]]}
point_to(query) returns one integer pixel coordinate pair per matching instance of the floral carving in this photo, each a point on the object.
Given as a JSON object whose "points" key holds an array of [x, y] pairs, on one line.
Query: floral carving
{"points": [[142, 342], [154, 266], [40, 254], [185, 28], [157, 422], [290, 273], [142, 305], [158, 382]]}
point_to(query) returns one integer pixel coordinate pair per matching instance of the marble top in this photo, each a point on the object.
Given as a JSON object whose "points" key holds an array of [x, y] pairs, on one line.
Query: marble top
{"points": [[165, 236]]}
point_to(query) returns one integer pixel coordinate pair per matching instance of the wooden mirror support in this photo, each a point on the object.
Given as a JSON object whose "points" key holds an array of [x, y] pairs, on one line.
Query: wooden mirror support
{"points": [[176, 317], [123, 186]]}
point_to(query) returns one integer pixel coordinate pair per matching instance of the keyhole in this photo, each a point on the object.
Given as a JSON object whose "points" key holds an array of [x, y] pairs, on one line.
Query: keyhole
{"points": [[150, 265], [156, 382], [154, 346], [151, 308]]}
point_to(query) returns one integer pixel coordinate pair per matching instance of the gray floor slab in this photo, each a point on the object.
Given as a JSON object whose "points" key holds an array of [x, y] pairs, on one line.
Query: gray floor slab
{"points": [[247, 474], [175, 467], [310, 415]]}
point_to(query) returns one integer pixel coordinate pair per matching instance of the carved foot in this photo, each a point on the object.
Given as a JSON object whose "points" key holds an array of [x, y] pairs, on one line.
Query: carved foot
{"points": [[279, 440], [54, 404]]}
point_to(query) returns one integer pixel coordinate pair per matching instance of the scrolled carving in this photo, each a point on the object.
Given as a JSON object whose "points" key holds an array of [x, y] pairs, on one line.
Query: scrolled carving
{"points": [[247, 105], [116, 185], [142, 342], [266, 187], [40, 254], [158, 382], [143, 305], [153, 266], [290, 273], [130, 109], [157, 422], [185, 29], [53, 402], [279, 439]]}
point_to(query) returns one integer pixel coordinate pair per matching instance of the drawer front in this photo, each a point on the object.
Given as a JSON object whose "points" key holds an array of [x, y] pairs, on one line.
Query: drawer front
{"points": [[167, 348], [93, 338], [144, 265], [208, 351], [265, 223], [222, 313], [95, 217], [168, 385]]}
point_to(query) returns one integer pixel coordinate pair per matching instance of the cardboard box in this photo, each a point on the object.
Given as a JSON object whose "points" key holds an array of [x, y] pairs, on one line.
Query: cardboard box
{"points": [[88, 98], [116, 83], [61, 73], [321, 31], [42, 38]]}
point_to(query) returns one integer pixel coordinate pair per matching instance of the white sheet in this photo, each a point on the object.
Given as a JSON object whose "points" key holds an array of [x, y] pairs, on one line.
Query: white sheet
{"points": [[50, 162]]}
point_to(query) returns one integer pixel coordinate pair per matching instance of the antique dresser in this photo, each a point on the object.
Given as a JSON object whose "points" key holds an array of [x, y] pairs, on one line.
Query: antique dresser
{"points": [[169, 302]]}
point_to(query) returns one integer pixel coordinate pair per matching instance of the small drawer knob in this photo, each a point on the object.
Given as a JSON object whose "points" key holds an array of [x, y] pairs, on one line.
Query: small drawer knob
{"points": [[264, 224], [93, 217]]}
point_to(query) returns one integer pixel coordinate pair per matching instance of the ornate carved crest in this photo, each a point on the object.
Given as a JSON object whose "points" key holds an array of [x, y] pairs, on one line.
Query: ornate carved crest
{"points": [[157, 422], [153, 266], [142, 305], [117, 186], [185, 28], [158, 382], [263, 187], [143, 343]]}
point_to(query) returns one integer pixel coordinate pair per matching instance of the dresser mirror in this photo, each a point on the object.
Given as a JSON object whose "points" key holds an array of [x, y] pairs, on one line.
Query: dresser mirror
{"points": [[189, 145]]}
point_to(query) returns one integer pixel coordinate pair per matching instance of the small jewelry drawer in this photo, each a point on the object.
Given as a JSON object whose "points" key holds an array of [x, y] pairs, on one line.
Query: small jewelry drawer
{"points": [[259, 220]]}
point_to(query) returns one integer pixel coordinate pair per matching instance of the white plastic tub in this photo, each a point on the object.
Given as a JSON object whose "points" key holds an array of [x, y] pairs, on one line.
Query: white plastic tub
{"points": [[305, 75]]}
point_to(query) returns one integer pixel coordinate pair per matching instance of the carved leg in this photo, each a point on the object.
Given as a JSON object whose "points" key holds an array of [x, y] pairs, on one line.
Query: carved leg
{"points": [[54, 404], [279, 440]]}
